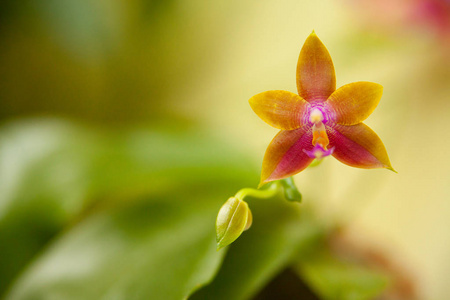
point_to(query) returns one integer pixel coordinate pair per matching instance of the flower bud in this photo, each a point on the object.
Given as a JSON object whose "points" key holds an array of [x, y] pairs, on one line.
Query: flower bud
{"points": [[234, 217], [249, 220]]}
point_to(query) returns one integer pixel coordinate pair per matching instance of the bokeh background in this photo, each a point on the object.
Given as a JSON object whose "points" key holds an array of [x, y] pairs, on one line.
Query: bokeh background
{"points": [[126, 124]]}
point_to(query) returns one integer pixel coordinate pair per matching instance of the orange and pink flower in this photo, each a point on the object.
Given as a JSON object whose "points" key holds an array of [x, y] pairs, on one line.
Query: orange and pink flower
{"points": [[320, 120]]}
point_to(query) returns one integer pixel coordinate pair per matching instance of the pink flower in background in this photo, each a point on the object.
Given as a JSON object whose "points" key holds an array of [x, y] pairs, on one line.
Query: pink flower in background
{"points": [[407, 15], [320, 120], [434, 14]]}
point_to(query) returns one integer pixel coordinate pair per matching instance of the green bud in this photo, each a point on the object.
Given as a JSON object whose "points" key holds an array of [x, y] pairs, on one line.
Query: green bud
{"points": [[249, 220], [234, 217]]}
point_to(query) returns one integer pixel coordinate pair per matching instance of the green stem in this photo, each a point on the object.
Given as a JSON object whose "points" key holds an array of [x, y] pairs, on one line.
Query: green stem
{"points": [[273, 190]]}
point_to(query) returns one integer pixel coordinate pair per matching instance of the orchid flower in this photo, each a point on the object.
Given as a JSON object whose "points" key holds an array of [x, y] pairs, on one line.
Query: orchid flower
{"points": [[435, 14], [430, 17], [320, 120]]}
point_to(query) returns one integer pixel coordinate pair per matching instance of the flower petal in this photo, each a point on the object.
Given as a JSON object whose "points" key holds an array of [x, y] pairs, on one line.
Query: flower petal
{"points": [[354, 102], [280, 109], [285, 156], [316, 79], [358, 146]]}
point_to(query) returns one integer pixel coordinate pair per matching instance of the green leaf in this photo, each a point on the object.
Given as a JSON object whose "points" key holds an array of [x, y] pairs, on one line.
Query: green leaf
{"points": [[333, 278], [123, 214], [155, 249], [87, 29]]}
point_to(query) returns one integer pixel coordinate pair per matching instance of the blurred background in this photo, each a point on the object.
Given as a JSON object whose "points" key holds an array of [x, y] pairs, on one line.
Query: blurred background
{"points": [[125, 125]]}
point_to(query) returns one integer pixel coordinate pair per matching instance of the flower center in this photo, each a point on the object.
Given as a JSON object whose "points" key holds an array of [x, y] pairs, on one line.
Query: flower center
{"points": [[316, 116], [320, 139]]}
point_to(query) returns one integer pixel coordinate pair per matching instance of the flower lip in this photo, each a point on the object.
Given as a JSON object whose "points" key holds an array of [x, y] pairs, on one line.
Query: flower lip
{"points": [[319, 152]]}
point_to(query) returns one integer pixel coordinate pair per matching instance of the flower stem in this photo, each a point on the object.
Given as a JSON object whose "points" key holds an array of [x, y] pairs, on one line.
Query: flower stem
{"points": [[273, 190]]}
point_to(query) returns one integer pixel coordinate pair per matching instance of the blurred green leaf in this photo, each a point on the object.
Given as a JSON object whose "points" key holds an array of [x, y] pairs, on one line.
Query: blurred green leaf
{"points": [[89, 29], [152, 193], [333, 278], [156, 249]]}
